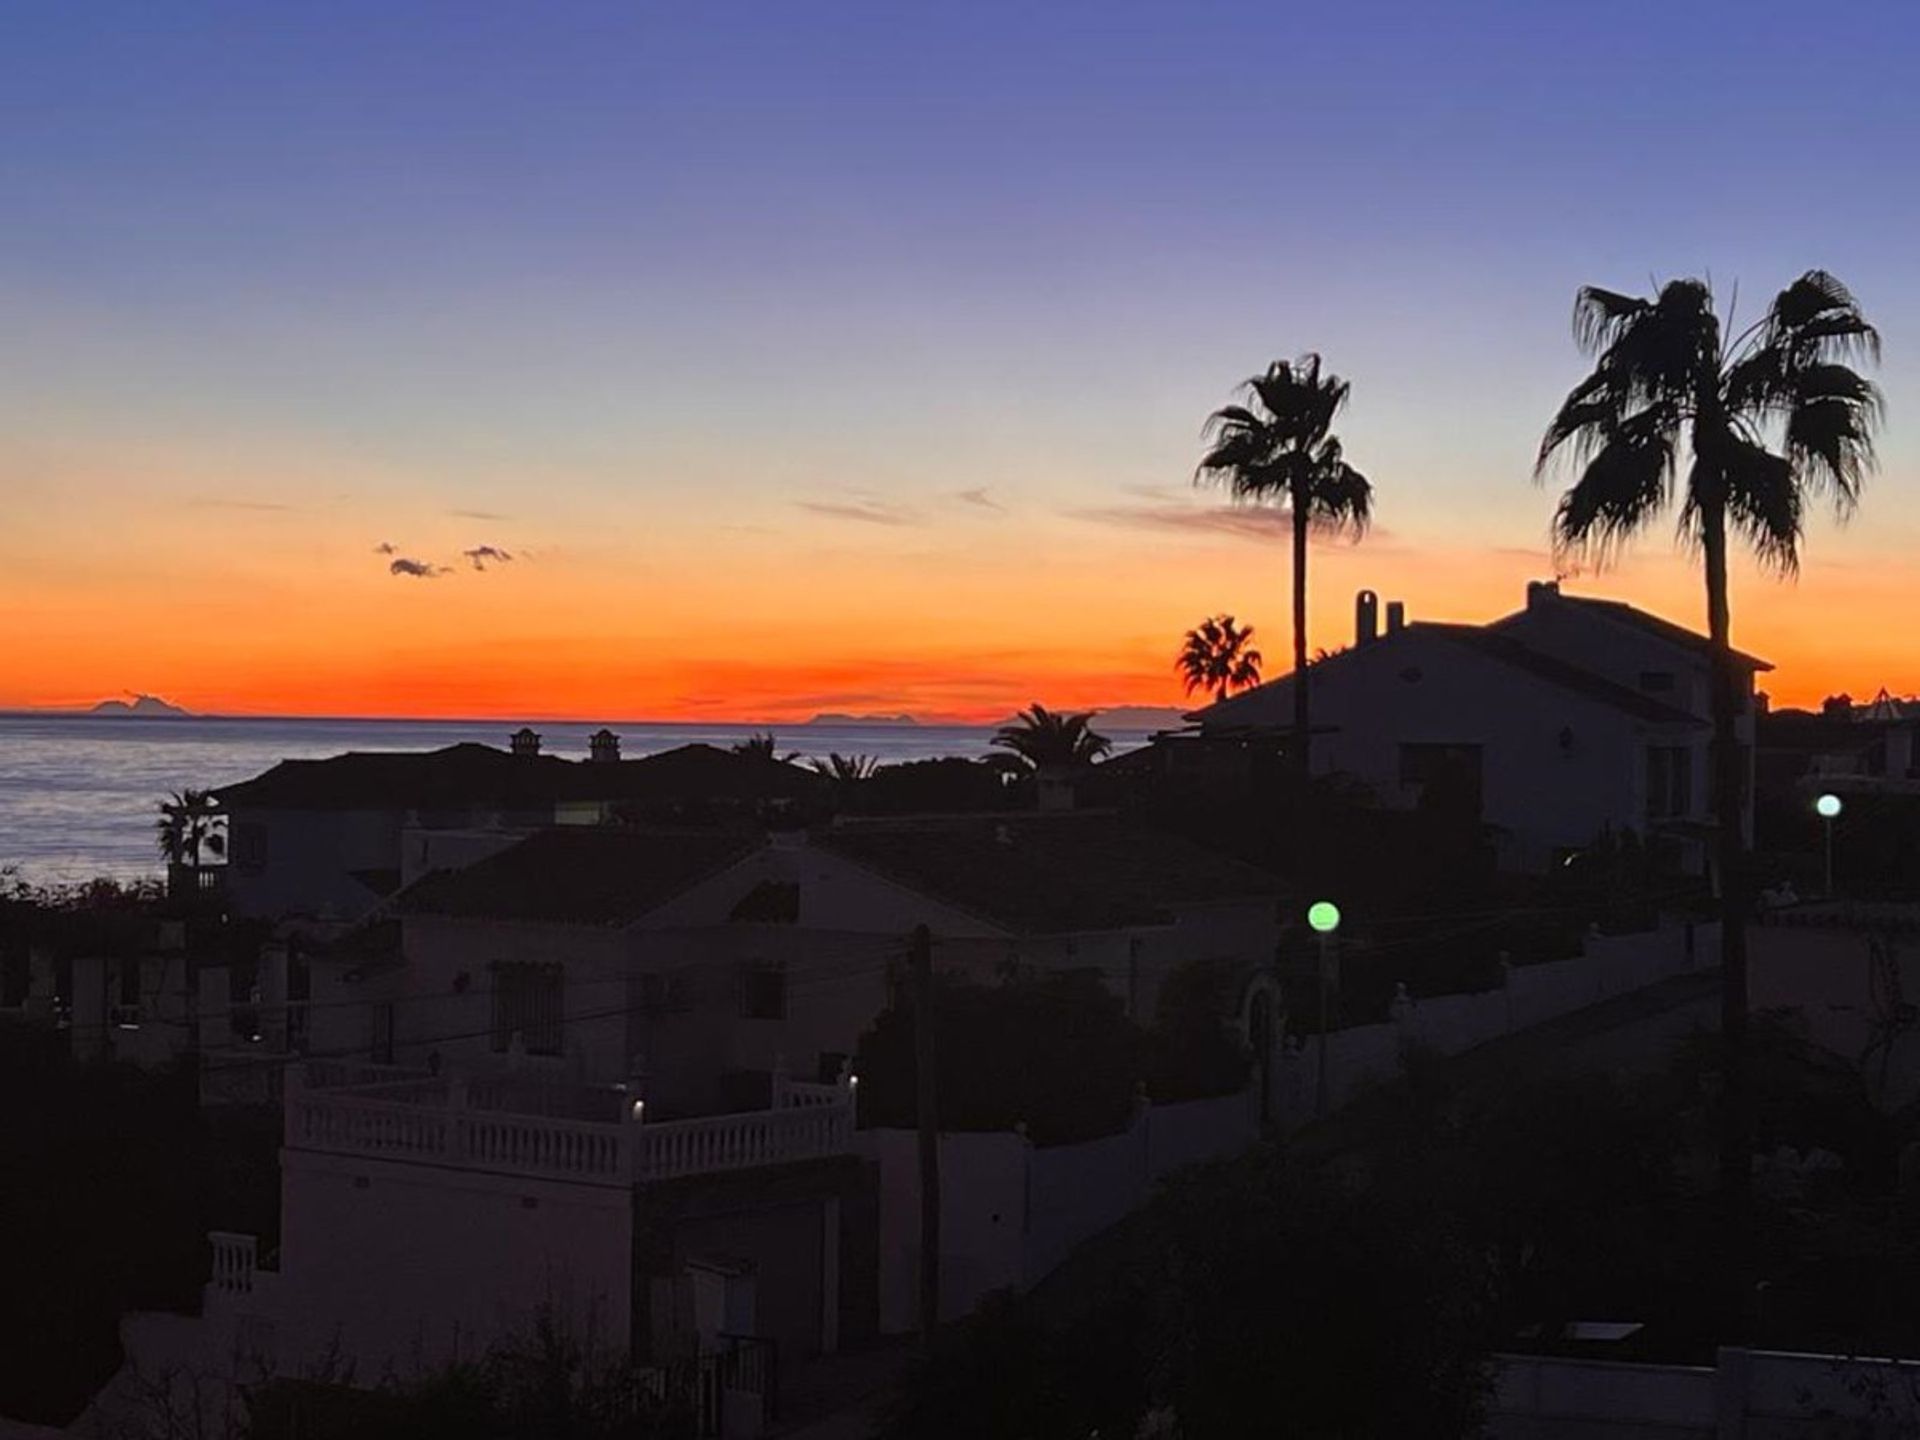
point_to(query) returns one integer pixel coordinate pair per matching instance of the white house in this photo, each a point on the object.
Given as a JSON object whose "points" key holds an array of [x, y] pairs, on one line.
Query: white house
{"points": [[329, 840], [1568, 718], [688, 963]]}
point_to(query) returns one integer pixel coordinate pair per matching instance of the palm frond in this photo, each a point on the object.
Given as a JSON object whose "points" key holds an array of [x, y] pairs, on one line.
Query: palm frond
{"points": [[1339, 499], [1830, 444], [1626, 483], [1599, 315], [1764, 503], [1819, 313]]}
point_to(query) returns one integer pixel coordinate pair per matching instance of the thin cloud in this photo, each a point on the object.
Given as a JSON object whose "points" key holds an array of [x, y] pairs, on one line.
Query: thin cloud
{"points": [[480, 555], [1170, 514], [981, 498], [416, 569], [477, 515], [270, 507], [386, 547], [869, 512]]}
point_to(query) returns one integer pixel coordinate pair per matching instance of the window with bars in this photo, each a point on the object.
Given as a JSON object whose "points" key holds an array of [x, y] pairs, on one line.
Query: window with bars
{"points": [[527, 1000]]}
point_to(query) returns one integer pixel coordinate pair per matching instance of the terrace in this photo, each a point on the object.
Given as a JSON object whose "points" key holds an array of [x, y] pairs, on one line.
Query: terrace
{"points": [[514, 1125]]}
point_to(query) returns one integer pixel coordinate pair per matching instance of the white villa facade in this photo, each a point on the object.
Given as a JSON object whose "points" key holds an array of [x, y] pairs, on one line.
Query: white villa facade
{"points": [[1564, 720]]}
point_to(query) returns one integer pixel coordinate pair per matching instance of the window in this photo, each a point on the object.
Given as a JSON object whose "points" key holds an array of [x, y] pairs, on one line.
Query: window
{"points": [[1669, 781], [763, 991], [527, 1003], [1657, 682]]}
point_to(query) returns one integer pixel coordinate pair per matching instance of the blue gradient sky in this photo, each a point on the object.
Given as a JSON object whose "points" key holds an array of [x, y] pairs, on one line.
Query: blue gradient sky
{"points": [[725, 310]]}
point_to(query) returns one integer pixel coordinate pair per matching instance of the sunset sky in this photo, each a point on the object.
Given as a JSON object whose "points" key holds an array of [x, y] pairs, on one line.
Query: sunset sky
{"points": [[853, 356]]}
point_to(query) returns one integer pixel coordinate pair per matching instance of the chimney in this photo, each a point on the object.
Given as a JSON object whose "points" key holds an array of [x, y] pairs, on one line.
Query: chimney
{"points": [[603, 747], [1366, 617], [525, 741], [1396, 616], [1539, 592]]}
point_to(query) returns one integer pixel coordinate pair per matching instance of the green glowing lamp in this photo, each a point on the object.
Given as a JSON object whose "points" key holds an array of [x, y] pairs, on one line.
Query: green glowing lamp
{"points": [[1324, 916]]}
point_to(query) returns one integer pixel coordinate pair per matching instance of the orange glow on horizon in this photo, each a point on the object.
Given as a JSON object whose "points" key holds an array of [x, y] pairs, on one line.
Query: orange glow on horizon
{"points": [[851, 630]]}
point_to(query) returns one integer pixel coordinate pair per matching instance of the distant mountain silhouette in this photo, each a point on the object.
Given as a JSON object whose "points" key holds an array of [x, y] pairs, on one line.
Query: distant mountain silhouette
{"points": [[147, 705], [831, 718]]}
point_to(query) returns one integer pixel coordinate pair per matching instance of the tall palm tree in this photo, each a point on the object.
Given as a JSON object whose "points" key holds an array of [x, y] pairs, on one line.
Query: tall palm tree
{"points": [[1218, 656], [1279, 447], [191, 824], [1760, 421], [1046, 738]]}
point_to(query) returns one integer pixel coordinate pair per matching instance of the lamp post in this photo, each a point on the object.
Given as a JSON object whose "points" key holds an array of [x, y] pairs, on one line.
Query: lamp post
{"points": [[1828, 808], [1323, 916]]}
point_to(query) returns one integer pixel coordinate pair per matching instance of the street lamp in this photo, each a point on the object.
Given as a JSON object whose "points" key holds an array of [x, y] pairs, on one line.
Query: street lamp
{"points": [[1828, 808], [1323, 917]]}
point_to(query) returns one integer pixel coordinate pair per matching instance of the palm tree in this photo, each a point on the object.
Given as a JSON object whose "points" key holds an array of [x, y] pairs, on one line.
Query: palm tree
{"points": [[1218, 656], [191, 824], [847, 769], [761, 747], [1666, 386], [1046, 739], [1278, 447]]}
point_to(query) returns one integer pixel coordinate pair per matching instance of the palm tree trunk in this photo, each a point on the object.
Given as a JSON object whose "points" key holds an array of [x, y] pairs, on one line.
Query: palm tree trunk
{"points": [[1736, 1132], [1301, 736]]}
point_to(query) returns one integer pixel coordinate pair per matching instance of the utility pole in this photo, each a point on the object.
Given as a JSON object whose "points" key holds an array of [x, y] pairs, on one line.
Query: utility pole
{"points": [[927, 1109]]}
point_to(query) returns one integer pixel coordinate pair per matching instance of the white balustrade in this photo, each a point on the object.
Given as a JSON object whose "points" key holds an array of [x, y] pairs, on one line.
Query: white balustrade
{"points": [[434, 1122], [233, 1261], [740, 1142]]}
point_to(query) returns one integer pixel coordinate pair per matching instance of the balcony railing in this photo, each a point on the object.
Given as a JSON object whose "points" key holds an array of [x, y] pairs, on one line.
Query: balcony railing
{"points": [[486, 1126], [741, 1142], [234, 1262]]}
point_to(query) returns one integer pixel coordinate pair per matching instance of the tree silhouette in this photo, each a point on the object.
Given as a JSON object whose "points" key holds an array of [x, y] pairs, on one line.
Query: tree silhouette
{"points": [[1667, 385], [1218, 656], [191, 824], [1046, 738], [761, 747], [847, 769], [1279, 446]]}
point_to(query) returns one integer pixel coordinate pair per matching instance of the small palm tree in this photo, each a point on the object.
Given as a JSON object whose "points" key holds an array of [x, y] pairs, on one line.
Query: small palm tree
{"points": [[762, 747], [1218, 656], [1666, 383], [191, 824], [1046, 739], [1280, 447], [847, 769]]}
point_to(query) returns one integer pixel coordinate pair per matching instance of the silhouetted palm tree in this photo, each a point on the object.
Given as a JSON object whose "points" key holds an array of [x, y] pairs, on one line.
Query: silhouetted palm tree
{"points": [[1048, 738], [847, 769], [1279, 446], [1666, 383], [761, 747], [190, 826], [1218, 656]]}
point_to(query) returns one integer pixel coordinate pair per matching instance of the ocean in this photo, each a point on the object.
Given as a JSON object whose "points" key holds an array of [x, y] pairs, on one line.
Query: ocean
{"points": [[79, 793]]}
